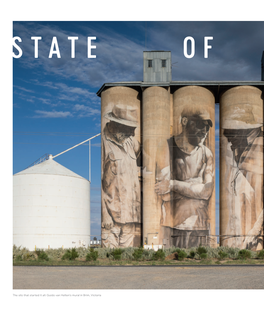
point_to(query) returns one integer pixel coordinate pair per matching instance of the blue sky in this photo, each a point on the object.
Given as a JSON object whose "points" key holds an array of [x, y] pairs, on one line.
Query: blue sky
{"points": [[55, 105]]}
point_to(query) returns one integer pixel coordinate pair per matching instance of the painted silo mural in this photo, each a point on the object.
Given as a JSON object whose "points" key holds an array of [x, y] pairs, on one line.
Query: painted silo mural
{"points": [[121, 158], [156, 130], [242, 168], [185, 171], [169, 198]]}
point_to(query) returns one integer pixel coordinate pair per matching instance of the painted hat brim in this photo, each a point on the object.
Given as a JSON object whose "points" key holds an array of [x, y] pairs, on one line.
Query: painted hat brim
{"points": [[209, 122], [200, 116], [236, 125], [112, 117]]}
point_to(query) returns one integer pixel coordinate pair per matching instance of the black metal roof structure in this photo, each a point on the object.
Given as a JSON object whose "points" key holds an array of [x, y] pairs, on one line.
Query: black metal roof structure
{"points": [[216, 87]]}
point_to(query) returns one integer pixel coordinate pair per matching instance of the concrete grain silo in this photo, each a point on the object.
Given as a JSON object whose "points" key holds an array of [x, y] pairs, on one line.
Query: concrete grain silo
{"points": [[121, 167], [241, 179], [174, 123], [196, 105], [51, 207], [156, 131]]}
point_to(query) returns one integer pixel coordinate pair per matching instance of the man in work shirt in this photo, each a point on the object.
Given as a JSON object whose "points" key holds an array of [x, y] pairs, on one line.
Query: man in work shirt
{"points": [[244, 179], [185, 175], [121, 195]]}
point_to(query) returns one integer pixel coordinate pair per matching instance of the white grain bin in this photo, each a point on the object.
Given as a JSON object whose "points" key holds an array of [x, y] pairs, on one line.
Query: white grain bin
{"points": [[51, 207]]}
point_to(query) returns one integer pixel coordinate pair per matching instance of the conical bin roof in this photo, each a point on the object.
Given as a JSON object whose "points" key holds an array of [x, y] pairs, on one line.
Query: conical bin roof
{"points": [[50, 167]]}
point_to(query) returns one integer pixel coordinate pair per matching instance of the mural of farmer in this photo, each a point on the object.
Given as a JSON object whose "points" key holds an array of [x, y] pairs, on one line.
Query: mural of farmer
{"points": [[244, 178], [121, 195], [185, 180]]}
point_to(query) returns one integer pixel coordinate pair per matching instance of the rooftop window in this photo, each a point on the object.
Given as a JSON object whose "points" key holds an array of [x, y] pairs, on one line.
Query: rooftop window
{"points": [[150, 63]]}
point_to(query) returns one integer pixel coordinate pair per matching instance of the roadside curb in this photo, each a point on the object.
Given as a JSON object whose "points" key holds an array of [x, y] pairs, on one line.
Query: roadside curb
{"points": [[129, 266]]}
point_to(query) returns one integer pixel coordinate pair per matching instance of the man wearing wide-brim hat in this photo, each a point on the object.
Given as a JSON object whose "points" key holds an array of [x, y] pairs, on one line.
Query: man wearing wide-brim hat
{"points": [[121, 199], [244, 173]]}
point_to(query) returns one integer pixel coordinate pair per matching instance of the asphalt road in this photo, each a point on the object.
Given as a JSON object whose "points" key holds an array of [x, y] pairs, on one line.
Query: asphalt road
{"points": [[155, 277]]}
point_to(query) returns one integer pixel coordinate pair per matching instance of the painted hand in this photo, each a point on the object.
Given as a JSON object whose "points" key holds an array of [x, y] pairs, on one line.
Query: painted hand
{"points": [[107, 222], [162, 187]]}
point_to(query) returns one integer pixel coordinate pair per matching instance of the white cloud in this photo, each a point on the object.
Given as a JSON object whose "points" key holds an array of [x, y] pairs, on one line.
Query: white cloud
{"points": [[97, 145], [52, 114], [44, 83], [96, 221], [67, 93], [96, 188], [23, 89], [44, 100], [86, 111]]}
